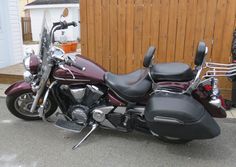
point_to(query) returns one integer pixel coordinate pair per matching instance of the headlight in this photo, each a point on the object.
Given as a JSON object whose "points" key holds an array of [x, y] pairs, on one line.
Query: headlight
{"points": [[32, 64]]}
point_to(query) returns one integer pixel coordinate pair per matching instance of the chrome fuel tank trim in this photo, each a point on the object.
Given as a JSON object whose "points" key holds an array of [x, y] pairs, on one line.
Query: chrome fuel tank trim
{"points": [[63, 79]]}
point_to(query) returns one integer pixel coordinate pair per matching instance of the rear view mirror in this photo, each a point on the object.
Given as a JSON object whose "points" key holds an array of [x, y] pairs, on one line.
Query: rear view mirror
{"points": [[201, 53]]}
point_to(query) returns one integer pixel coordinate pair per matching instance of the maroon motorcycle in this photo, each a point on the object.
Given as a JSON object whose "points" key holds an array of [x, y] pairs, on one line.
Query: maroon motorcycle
{"points": [[169, 100]]}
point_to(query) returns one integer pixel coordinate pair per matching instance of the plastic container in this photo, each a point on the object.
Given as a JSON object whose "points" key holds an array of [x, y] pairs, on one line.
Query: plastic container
{"points": [[69, 47]]}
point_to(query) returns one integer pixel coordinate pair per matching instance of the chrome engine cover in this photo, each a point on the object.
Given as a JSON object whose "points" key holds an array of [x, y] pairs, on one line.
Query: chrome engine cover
{"points": [[99, 114], [78, 94], [80, 115]]}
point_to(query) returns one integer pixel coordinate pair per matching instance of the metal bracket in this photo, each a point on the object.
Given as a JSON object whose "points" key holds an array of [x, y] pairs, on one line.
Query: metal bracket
{"points": [[220, 70]]}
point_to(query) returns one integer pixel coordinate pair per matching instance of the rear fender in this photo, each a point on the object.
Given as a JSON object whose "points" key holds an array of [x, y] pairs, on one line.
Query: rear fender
{"points": [[18, 87], [204, 99]]}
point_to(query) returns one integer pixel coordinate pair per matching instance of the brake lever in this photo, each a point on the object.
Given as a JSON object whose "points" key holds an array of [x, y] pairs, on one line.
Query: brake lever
{"points": [[61, 66]]}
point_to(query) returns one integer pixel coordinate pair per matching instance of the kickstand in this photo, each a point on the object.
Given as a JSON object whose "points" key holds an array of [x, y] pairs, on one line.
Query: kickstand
{"points": [[94, 126]]}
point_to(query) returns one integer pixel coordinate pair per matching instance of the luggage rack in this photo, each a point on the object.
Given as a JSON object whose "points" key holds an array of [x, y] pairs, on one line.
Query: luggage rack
{"points": [[220, 70]]}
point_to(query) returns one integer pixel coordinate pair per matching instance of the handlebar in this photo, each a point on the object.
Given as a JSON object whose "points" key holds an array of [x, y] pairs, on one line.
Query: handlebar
{"points": [[72, 24], [59, 26], [65, 25]]}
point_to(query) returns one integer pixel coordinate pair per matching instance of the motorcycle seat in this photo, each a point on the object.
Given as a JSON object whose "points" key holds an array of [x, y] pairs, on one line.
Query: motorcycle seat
{"points": [[177, 72], [131, 87]]}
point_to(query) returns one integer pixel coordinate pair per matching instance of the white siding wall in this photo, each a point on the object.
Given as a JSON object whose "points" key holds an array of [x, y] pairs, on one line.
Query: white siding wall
{"points": [[10, 34], [16, 33], [55, 13], [2, 29]]}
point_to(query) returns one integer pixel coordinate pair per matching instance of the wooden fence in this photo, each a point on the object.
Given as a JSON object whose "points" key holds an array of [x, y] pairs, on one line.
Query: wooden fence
{"points": [[26, 28], [117, 33]]}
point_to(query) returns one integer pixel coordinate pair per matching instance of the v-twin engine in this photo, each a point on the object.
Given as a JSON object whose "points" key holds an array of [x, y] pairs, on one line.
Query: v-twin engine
{"points": [[84, 98], [79, 114], [86, 95]]}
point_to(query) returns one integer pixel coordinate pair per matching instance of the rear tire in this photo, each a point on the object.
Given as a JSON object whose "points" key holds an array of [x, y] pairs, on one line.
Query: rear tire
{"points": [[22, 110]]}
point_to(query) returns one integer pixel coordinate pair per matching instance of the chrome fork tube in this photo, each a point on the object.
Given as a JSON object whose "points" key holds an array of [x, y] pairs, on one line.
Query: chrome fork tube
{"points": [[42, 84], [42, 106]]}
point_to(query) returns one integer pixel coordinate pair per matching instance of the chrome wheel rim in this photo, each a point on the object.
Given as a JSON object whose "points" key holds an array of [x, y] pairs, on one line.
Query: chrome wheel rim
{"points": [[24, 102]]}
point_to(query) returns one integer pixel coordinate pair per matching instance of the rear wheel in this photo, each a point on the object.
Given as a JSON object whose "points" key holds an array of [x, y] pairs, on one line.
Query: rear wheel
{"points": [[20, 105]]}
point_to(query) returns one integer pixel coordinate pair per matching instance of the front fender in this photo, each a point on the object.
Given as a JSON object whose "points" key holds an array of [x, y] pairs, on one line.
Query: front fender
{"points": [[18, 87]]}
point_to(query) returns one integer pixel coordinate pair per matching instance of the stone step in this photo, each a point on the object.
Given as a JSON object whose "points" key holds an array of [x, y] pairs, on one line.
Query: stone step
{"points": [[11, 74]]}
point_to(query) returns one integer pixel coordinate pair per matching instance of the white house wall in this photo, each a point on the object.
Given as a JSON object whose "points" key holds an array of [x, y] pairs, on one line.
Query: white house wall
{"points": [[11, 51], [55, 13]]}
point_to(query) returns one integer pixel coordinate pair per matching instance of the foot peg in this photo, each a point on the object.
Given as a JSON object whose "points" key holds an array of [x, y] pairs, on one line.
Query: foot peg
{"points": [[68, 125], [94, 126]]}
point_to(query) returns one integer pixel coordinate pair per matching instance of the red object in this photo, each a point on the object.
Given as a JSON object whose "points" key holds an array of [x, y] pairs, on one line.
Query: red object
{"points": [[93, 73], [34, 64], [69, 47], [204, 99], [208, 87], [223, 102], [114, 100], [18, 87]]}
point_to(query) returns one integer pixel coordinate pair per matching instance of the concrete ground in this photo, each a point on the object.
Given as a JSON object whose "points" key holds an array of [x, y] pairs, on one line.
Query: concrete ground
{"points": [[3, 87], [39, 144]]}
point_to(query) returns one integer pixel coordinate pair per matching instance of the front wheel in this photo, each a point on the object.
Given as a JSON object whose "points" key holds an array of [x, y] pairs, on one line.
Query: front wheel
{"points": [[20, 104]]}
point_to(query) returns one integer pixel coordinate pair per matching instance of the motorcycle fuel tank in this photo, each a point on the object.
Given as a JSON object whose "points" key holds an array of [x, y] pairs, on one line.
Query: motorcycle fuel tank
{"points": [[93, 72]]}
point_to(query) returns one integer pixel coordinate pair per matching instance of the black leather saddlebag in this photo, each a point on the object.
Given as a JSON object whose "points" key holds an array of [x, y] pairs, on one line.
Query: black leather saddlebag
{"points": [[179, 116]]}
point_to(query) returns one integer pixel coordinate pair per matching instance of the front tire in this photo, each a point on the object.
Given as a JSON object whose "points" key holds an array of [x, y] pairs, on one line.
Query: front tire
{"points": [[19, 105]]}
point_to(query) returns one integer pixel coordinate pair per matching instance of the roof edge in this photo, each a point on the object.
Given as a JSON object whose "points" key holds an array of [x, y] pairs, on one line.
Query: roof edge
{"points": [[46, 6]]}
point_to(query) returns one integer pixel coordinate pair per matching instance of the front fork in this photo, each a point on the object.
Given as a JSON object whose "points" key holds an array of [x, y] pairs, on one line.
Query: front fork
{"points": [[42, 106], [40, 88]]}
